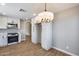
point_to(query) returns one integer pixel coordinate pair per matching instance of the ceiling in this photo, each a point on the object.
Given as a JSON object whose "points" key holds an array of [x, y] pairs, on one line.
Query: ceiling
{"points": [[12, 9]]}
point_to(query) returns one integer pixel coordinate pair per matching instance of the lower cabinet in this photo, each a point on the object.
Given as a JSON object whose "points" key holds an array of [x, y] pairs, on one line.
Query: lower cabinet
{"points": [[3, 39]]}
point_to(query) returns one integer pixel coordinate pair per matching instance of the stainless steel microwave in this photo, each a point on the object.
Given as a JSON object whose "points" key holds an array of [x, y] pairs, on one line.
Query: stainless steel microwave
{"points": [[12, 26]]}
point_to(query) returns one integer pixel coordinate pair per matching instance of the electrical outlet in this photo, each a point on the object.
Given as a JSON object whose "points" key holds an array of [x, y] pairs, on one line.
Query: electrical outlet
{"points": [[67, 47]]}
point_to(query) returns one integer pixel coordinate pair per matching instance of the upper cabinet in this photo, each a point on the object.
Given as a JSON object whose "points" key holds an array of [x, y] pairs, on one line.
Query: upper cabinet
{"points": [[7, 22], [18, 23], [3, 22], [14, 22]]}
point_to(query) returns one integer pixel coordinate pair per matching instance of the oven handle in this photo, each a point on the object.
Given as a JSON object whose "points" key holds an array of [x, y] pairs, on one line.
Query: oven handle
{"points": [[12, 35]]}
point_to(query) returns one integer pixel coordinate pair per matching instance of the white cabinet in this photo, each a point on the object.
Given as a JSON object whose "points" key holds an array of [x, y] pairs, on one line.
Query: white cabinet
{"points": [[19, 37], [9, 20], [14, 21], [18, 22], [3, 22], [3, 39]]}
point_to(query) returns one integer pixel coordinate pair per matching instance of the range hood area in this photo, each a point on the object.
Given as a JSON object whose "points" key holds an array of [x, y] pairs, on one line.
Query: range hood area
{"points": [[9, 23], [12, 26]]}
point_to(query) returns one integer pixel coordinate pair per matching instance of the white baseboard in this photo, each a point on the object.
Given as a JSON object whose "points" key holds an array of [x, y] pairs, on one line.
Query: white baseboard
{"points": [[65, 51]]}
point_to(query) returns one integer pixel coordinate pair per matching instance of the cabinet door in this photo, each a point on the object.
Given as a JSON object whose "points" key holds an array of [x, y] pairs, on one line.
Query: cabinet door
{"points": [[9, 20], [15, 21], [4, 25], [18, 23], [19, 37], [5, 39], [3, 22], [1, 40]]}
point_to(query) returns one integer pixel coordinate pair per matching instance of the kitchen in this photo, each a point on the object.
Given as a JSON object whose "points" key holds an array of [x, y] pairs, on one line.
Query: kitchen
{"points": [[52, 29], [11, 31]]}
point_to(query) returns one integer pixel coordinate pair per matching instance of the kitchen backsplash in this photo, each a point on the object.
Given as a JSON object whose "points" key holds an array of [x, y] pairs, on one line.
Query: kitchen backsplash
{"points": [[9, 30]]}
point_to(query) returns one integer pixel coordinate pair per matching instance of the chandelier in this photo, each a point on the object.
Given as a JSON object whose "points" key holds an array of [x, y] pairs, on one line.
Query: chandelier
{"points": [[44, 17]]}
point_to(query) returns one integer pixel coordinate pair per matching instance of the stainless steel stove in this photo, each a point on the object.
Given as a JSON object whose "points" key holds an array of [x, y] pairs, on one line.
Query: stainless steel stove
{"points": [[12, 37]]}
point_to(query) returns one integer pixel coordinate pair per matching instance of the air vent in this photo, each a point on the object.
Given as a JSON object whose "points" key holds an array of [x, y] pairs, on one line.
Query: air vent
{"points": [[22, 10]]}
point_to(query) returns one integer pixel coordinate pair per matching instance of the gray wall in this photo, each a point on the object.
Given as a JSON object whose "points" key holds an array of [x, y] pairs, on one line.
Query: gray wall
{"points": [[65, 30]]}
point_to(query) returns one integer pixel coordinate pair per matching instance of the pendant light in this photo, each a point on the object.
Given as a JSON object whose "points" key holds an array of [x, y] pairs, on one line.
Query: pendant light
{"points": [[45, 17]]}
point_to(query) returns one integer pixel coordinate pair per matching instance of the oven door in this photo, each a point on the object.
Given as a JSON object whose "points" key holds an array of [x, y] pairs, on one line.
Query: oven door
{"points": [[12, 39]]}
